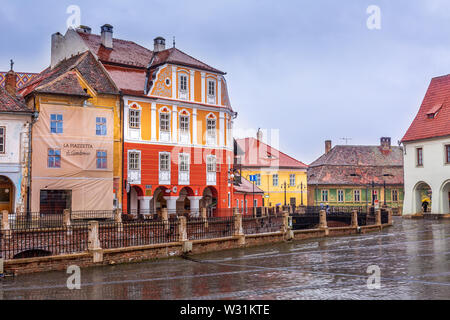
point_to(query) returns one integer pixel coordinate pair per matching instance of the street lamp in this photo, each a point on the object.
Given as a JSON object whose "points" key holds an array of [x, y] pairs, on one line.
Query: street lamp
{"points": [[285, 187], [301, 193]]}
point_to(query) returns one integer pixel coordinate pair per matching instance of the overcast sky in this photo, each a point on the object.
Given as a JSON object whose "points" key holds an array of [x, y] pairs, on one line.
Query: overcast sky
{"points": [[310, 69]]}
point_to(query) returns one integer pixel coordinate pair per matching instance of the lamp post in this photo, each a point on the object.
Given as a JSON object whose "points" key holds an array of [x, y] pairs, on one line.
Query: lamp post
{"points": [[384, 189], [285, 186], [373, 190], [301, 193]]}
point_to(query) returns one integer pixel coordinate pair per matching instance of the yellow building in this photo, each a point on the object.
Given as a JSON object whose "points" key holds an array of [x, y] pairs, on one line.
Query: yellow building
{"points": [[282, 177]]}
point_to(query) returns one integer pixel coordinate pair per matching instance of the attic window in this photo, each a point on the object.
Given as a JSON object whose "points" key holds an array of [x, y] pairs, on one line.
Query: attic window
{"points": [[434, 111], [354, 175]]}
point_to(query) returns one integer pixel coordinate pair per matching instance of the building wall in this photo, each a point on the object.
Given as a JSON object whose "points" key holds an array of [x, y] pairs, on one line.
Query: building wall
{"points": [[315, 195], [244, 202], [435, 173], [14, 162], [274, 195], [92, 188]]}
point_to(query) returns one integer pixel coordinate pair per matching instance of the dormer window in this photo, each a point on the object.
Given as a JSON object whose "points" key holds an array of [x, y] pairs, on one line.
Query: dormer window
{"points": [[434, 111]]}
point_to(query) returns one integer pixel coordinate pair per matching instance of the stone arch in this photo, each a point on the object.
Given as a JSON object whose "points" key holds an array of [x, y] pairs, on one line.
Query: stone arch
{"points": [[444, 197], [422, 193], [7, 194], [209, 198], [183, 202], [158, 202], [135, 192]]}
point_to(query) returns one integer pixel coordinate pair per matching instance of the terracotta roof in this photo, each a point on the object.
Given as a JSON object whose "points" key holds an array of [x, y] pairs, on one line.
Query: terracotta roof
{"points": [[358, 165], [424, 127], [124, 52], [258, 154], [176, 56], [246, 187], [22, 78], [61, 79], [127, 79], [9, 103]]}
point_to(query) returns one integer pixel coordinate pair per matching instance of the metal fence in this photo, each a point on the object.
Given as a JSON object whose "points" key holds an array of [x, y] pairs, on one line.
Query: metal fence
{"points": [[34, 220], [117, 235], [217, 227], [16, 244]]}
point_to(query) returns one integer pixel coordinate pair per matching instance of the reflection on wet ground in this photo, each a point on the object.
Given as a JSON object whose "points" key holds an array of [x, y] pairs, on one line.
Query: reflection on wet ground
{"points": [[413, 257]]}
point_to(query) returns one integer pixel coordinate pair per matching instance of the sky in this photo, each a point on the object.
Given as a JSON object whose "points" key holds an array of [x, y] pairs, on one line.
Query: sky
{"points": [[303, 71]]}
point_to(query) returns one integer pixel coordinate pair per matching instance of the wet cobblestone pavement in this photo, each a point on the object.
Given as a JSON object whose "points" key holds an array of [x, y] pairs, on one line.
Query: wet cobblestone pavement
{"points": [[413, 256]]}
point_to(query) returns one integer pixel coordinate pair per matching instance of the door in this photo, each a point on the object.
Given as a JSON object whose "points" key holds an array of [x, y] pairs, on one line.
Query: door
{"points": [[6, 194]]}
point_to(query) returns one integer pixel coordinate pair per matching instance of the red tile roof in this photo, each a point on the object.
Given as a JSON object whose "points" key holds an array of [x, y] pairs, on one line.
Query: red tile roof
{"points": [[258, 154], [9, 103], [422, 127], [62, 79], [247, 187], [358, 165]]}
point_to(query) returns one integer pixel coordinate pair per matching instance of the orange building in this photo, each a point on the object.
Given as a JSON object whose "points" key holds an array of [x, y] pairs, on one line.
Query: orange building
{"points": [[177, 122]]}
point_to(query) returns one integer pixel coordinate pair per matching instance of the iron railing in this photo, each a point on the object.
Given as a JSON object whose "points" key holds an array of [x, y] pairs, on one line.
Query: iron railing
{"points": [[217, 227]]}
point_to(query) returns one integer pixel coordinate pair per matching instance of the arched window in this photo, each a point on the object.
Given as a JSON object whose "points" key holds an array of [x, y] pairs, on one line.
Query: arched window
{"points": [[164, 124], [184, 132], [211, 129]]}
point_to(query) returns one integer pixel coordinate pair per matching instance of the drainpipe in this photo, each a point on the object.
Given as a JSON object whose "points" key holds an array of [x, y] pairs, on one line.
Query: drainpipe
{"points": [[123, 145]]}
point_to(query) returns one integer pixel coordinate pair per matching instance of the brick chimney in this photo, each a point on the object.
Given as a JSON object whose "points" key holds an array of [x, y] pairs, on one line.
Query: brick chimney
{"points": [[10, 82], [159, 44], [385, 143], [327, 146], [107, 36]]}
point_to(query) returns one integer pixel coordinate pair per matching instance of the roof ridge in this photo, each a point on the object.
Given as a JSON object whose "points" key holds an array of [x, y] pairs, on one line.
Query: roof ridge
{"points": [[196, 59]]}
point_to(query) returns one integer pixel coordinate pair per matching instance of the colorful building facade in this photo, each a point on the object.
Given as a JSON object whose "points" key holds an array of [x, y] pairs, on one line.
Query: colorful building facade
{"points": [[427, 153], [73, 136], [177, 122], [281, 177], [357, 176]]}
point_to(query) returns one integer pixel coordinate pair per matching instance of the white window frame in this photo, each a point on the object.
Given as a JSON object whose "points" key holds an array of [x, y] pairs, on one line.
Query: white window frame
{"points": [[134, 174], [211, 98], [211, 175], [134, 121], [394, 191], [324, 192], [184, 175], [258, 179], [183, 94], [164, 175], [340, 192], [185, 135], [293, 178], [165, 135], [357, 195], [275, 178], [211, 134]]}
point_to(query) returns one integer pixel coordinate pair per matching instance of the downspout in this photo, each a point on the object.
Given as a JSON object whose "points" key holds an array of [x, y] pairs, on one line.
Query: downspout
{"points": [[123, 145]]}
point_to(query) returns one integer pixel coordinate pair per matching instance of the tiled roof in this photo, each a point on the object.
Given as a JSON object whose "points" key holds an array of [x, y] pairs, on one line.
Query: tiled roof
{"points": [[54, 80], [246, 187], [258, 154], [23, 78], [424, 127], [123, 52], [358, 165], [9, 103], [176, 56]]}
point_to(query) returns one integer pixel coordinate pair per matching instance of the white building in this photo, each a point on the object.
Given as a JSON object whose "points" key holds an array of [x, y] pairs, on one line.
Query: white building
{"points": [[427, 153], [15, 120]]}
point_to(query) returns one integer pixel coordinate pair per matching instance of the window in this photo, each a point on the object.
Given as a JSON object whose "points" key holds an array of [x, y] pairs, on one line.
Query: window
{"points": [[340, 195], [2, 139], [164, 121], [164, 162], [101, 160], [183, 83], [229, 200], [135, 119], [211, 164], [292, 180], [255, 203], [184, 162], [237, 203], [258, 179], [211, 131], [357, 195], [100, 126], [54, 158], [275, 180], [394, 195], [56, 123], [134, 161], [211, 88], [419, 157], [325, 195], [375, 195], [211, 167], [184, 124], [447, 154], [183, 168]]}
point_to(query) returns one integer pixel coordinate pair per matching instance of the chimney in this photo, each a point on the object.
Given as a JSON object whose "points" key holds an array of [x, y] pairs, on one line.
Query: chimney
{"points": [[259, 135], [10, 82], [159, 44], [107, 36], [84, 29], [385, 143], [327, 146]]}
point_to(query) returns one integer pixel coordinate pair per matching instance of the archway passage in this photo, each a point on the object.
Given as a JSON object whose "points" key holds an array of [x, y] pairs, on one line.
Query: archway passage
{"points": [[183, 201], [6, 194], [158, 202], [133, 198], [445, 197], [422, 197], [209, 200]]}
